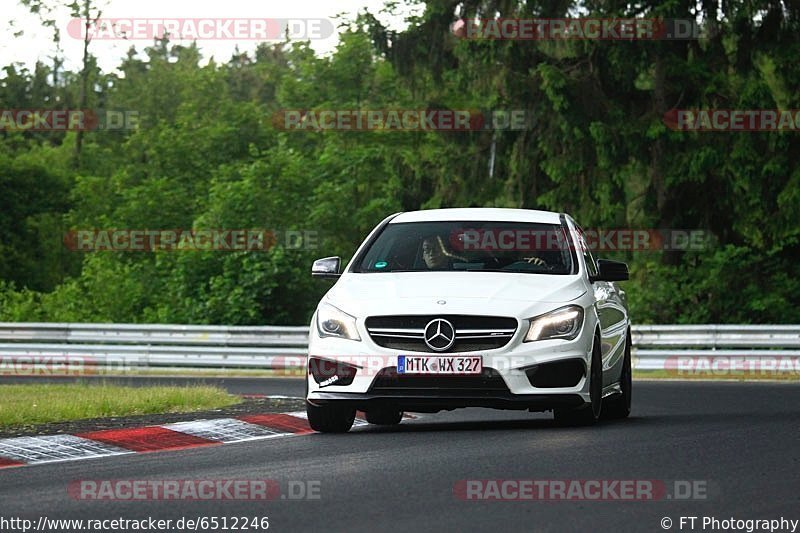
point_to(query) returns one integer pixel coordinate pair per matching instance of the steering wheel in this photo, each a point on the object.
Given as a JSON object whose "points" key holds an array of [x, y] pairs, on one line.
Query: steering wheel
{"points": [[538, 261]]}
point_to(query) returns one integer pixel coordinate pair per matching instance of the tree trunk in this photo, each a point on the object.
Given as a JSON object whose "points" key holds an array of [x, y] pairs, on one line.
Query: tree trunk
{"points": [[83, 99]]}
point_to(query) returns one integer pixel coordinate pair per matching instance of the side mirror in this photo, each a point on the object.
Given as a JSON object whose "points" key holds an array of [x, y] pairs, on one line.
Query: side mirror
{"points": [[610, 271], [327, 267]]}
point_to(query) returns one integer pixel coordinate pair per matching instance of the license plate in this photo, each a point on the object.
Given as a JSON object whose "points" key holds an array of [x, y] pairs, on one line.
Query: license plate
{"points": [[439, 364]]}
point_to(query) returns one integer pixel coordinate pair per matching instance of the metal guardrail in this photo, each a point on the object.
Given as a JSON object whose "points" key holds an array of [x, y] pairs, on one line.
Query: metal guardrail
{"points": [[127, 346], [661, 347], [717, 349], [155, 334]]}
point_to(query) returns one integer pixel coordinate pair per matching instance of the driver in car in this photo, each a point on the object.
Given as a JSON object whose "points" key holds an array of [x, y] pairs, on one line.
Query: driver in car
{"points": [[436, 255]]}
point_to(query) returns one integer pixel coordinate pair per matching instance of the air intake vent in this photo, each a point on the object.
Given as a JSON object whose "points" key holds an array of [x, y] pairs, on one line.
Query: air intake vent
{"points": [[558, 374]]}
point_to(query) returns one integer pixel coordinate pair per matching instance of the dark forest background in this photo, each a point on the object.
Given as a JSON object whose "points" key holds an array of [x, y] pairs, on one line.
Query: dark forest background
{"points": [[207, 154]]}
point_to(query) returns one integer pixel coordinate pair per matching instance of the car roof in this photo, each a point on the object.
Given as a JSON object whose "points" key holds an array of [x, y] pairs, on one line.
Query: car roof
{"points": [[488, 214]]}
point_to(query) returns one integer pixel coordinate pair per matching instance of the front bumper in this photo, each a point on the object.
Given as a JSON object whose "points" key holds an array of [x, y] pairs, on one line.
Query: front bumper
{"points": [[505, 384], [431, 403]]}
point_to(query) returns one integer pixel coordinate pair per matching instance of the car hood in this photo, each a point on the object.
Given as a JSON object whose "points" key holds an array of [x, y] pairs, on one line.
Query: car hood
{"points": [[496, 293]]}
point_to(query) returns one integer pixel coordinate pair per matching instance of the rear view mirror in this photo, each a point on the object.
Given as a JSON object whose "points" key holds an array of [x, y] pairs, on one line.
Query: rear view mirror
{"points": [[611, 271], [327, 267]]}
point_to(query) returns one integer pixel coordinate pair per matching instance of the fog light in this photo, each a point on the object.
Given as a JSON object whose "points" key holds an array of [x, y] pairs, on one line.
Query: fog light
{"points": [[326, 372]]}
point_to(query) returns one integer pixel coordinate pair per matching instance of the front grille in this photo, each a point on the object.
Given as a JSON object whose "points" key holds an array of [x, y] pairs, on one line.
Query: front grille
{"points": [[388, 380], [472, 333]]}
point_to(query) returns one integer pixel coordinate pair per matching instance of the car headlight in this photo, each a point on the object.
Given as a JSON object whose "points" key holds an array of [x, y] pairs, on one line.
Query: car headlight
{"points": [[564, 323], [333, 322]]}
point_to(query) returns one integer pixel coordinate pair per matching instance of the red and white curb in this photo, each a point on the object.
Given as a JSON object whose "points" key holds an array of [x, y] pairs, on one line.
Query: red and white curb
{"points": [[21, 451]]}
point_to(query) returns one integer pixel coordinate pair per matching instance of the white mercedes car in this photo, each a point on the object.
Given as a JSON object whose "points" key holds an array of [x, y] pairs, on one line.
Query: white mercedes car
{"points": [[478, 307]]}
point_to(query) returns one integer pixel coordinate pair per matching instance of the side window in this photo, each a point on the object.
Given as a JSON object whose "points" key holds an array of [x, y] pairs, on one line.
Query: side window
{"points": [[591, 265]]}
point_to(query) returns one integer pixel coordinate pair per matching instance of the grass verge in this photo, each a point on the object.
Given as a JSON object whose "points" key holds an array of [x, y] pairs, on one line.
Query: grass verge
{"points": [[716, 376], [298, 373], [23, 405]]}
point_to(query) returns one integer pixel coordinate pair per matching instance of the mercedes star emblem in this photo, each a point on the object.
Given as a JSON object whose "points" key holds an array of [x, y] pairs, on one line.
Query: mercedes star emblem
{"points": [[439, 334]]}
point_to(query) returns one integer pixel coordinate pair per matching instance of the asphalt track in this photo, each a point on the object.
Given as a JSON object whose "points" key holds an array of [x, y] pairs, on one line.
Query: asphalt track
{"points": [[740, 441]]}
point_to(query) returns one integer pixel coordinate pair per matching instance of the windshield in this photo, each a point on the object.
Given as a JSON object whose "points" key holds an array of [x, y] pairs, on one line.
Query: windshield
{"points": [[469, 247]]}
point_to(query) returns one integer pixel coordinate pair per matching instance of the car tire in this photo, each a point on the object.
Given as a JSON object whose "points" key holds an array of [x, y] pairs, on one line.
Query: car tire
{"points": [[589, 413], [330, 418], [384, 416], [619, 405]]}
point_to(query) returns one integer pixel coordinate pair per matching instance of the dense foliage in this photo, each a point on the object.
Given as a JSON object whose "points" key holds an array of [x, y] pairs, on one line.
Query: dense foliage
{"points": [[207, 154]]}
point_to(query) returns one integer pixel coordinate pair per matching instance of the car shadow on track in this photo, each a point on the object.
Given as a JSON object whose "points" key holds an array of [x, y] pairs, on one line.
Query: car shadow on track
{"points": [[495, 425]]}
